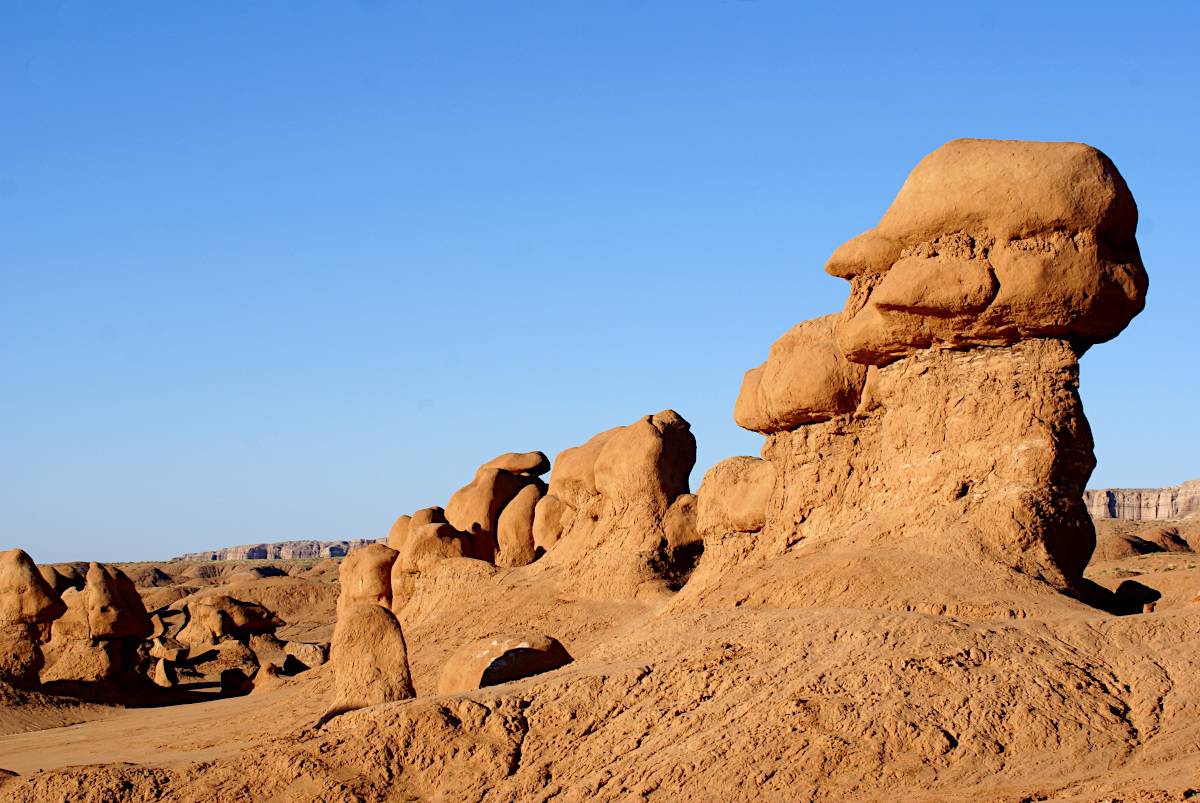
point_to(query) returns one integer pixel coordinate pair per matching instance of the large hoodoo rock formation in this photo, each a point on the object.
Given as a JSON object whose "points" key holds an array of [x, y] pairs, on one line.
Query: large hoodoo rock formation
{"points": [[27, 605], [927, 445]]}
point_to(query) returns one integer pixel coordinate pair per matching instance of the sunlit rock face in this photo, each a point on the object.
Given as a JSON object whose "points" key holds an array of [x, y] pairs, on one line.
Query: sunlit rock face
{"points": [[932, 430]]}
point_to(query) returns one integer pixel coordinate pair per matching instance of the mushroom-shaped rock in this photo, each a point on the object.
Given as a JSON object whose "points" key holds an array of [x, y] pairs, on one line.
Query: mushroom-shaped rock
{"points": [[25, 596], [366, 577], [426, 516], [514, 529], [550, 517], [806, 378], [733, 496], [370, 661], [990, 242], [532, 463], [489, 662], [647, 462], [399, 532], [573, 479]]}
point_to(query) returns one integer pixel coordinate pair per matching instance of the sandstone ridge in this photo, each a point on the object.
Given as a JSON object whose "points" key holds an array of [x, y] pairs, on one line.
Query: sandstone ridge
{"points": [[1144, 503]]}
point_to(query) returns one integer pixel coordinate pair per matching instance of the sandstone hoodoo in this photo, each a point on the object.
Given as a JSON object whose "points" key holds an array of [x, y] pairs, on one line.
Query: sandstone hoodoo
{"points": [[889, 602], [27, 604], [932, 429]]}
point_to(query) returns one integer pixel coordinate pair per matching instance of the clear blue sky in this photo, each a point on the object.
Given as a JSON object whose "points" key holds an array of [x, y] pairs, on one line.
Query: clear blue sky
{"points": [[275, 270]]}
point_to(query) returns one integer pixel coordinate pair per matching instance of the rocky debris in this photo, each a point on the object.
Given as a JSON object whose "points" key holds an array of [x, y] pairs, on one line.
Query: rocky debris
{"points": [[490, 662], [98, 636], [366, 577], [268, 678], [369, 659], [733, 496], [1144, 503], [282, 550]]}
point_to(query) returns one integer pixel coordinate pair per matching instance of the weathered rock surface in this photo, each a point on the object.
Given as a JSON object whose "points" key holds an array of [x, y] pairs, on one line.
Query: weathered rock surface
{"points": [[490, 662], [733, 496], [514, 528], [989, 242], [475, 508], [366, 577], [1144, 503], [369, 658]]}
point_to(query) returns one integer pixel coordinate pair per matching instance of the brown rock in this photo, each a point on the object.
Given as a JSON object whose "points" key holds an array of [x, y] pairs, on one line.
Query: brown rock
{"points": [[425, 545], [366, 577], [806, 378], [493, 661], [25, 596], [733, 496], [245, 618], [550, 516], [534, 463], [1144, 503], [164, 674], [370, 661], [647, 461], [680, 522], [514, 529], [989, 242], [311, 655], [398, 533], [114, 607], [168, 649], [268, 678], [426, 516], [205, 627], [21, 657], [475, 508], [573, 479]]}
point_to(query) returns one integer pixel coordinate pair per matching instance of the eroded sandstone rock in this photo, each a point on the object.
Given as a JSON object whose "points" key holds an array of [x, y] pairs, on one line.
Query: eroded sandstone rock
{"points": [[366, 577], [369, 658], [489, 662]]}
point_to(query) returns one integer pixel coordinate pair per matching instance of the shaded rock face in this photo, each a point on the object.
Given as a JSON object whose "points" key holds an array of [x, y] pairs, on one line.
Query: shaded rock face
{"points": [[933, 428], [27, 604], [1144, 503]]}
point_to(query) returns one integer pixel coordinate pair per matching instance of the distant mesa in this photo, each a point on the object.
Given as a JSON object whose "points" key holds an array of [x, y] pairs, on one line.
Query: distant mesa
{"points": [[1144, 503], [284, 550]]}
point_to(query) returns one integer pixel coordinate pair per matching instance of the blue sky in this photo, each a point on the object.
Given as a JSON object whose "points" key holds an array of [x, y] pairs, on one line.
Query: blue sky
{"points": [[272, 271]]}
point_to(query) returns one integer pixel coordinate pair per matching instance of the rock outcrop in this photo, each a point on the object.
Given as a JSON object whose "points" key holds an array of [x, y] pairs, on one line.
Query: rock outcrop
{"points": [[369, 658], [96, 639], [1144, 503], [27, 605], [283, 550], [927, 448]]}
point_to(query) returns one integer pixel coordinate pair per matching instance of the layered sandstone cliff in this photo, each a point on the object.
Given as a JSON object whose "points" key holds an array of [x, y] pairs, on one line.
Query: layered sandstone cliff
{"points": [[282, 550], [1144, 503]]}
